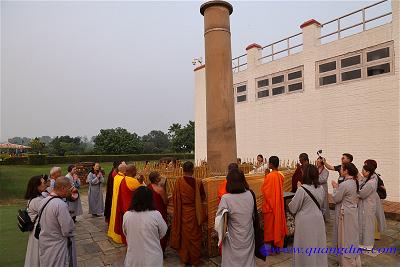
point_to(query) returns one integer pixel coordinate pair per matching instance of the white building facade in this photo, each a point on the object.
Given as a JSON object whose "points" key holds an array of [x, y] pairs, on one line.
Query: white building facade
{"points": [[308, 92]]}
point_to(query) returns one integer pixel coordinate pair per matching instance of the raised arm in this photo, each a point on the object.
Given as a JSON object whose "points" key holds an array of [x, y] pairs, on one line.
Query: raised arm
{"points": [[297, 201], [328, 166], [338, 192]]}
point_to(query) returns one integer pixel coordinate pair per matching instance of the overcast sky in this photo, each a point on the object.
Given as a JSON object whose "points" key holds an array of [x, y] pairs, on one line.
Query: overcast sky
{"points": [[73, 68]]}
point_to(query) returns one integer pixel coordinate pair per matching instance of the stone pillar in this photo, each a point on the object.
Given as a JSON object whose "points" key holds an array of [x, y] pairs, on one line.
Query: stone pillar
{"points": [[220, 106], [311, 33]]}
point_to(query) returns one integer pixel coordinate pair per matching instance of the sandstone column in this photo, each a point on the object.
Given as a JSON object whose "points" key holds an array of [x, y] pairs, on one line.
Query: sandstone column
{"points": [[220, 108]]}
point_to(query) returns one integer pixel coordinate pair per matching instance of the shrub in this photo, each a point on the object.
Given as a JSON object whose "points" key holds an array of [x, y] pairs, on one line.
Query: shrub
{"points": [[15, 161], [36, 159]]}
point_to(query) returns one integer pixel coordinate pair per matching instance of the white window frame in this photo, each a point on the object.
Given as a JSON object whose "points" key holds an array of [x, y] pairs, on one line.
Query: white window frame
{"points": [[363, 65], [241, 93]]}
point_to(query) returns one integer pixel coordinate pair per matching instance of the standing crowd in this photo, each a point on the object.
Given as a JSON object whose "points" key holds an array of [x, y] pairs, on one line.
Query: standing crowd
{"points": [[136, 213]]}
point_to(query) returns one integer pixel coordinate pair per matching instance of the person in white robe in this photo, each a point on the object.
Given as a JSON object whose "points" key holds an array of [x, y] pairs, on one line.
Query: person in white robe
{"points": [[95, 195], [143, 227], [36, 185], [239, 244], [74, 204], [56, 238], [309, 220], [345, 196]]}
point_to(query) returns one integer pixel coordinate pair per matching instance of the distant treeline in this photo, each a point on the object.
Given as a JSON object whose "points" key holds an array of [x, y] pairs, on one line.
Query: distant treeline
{"points": [[178, 139]]}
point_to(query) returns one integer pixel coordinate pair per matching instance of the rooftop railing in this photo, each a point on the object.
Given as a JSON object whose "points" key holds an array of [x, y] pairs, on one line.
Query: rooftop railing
{"points": [[239, 63], [358, 18], [282, 48]]}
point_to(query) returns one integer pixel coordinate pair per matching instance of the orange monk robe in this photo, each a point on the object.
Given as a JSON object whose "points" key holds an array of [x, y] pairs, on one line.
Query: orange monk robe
{"points": [[222, 190], [111, 233], [275, 228], [126, 190], [186, 232]]}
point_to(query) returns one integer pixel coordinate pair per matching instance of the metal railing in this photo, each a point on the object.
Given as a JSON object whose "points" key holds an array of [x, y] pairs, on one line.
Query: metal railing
{"points": [[364, 21], [286, 50], [239, 63]]}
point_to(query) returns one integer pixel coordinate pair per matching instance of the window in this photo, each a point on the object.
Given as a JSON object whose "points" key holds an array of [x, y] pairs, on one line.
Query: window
{"points": [[369, 62], [351, 75], [241, 89], [263, 93], [327, 67], [262, 83], [295, 87], [378, 54], [379, 69], [350, 61], [241, 98], [278, 90], [327, 80], [262, 87], [240, 92], [278, 79], [294, 75]]}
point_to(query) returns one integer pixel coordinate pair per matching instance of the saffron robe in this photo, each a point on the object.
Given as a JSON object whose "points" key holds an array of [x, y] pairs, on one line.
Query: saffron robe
{"points": [[222, 190], [109, 193], [273, 208], [186, 232], [126, 190], [111, 233], [159, 205]]}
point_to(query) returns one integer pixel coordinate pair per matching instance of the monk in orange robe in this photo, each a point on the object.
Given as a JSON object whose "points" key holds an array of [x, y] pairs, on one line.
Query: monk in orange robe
{"points": [[275, 228], [126, 190], [186, 232]]}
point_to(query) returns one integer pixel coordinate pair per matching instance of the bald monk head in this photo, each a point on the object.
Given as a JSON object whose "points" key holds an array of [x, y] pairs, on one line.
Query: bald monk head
{"points": [[188, 168], [122, 167], [130, 170], [63, 187]]}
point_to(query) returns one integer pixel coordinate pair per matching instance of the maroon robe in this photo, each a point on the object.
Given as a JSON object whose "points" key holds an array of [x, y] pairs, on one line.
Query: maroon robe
{"points": [[159, 205], [109, 193]]}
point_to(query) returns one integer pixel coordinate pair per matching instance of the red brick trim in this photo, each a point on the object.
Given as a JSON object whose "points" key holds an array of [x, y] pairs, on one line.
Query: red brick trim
{"points": [[200, 67], [310, 22], [253, 45]]}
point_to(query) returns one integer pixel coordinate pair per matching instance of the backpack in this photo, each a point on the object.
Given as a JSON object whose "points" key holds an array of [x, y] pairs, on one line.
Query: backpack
{"points": [[25, 223], [381, 188]]}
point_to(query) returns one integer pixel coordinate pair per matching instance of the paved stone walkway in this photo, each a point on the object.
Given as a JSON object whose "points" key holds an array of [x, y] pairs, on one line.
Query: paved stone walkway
{"points": [[94, 248]]}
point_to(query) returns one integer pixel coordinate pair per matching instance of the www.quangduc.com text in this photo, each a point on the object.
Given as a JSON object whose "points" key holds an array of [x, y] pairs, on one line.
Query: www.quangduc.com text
{"points": [[330, 250]]}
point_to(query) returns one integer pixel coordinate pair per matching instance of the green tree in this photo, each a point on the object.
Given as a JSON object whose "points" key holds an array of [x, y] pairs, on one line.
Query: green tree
{"points": [[155, 142], [117, 141], [62, 145], [36, 145], [182, 138]]}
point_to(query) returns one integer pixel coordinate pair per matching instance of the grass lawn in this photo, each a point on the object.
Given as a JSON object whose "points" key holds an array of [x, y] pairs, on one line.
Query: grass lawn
{"points": [[12, 240], [14, 178]]}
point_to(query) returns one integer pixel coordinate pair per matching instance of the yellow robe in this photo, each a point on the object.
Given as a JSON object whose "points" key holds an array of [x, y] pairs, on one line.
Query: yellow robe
{"points": [[111, 233]]}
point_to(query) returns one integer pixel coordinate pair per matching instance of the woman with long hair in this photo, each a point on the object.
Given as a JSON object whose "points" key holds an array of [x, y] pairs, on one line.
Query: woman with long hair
{"points": [[143, 227], [345, 196], [310, 227], [238, 247], [36, 185]]}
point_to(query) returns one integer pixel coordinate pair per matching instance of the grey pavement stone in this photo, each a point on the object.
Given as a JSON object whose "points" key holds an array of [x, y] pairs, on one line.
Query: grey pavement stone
{"points": [[105, 245]]}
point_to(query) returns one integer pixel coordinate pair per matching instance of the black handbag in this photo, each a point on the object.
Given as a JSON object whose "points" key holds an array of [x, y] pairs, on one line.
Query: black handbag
{"points": [[25, 223], [38, 227], [258, 232]]}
